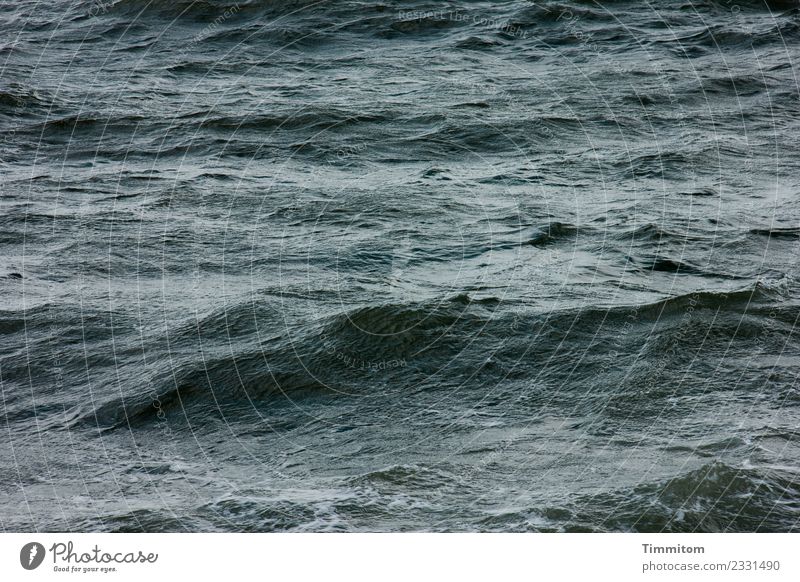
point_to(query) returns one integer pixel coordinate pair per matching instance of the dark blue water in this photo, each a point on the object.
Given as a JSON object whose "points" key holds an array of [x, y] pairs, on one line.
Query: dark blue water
{"points": [[401, 265]]}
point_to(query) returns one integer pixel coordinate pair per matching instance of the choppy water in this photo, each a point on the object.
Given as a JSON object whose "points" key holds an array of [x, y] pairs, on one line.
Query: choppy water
{"points": [[363, 265]]}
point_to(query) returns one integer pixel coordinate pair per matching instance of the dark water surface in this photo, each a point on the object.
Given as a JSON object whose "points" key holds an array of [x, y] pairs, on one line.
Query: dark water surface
{"points": [[382, 265]]}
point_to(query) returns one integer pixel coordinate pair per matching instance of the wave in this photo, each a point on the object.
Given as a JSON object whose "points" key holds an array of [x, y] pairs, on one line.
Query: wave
{"points": [[477, 43], [552, 233], [405, 341], [20, 101], [12, 322], [726, 37], [425, 24], [556, 12], [401, 476], [325, 358], [739, 85], [785, 233], [11, 101], [71, 124], [755, 5], [658, 264], [322, 119], [674, 164], [650, 235], [713, 498], [202, 10]]}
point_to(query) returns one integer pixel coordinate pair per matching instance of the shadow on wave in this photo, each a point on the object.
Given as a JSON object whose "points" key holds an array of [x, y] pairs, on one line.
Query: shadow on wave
{"points": [[329, 357], [714, 498], [400, 347]]}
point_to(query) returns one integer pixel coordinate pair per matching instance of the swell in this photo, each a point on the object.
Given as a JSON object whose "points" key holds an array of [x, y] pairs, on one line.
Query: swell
{"points": [[408, 342], [756, 5], [21, 101], [330, 357], [198, 10], [674, 164], [716, 497], [554, 13], [322, 119], [86, 122], [719, 37]]}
